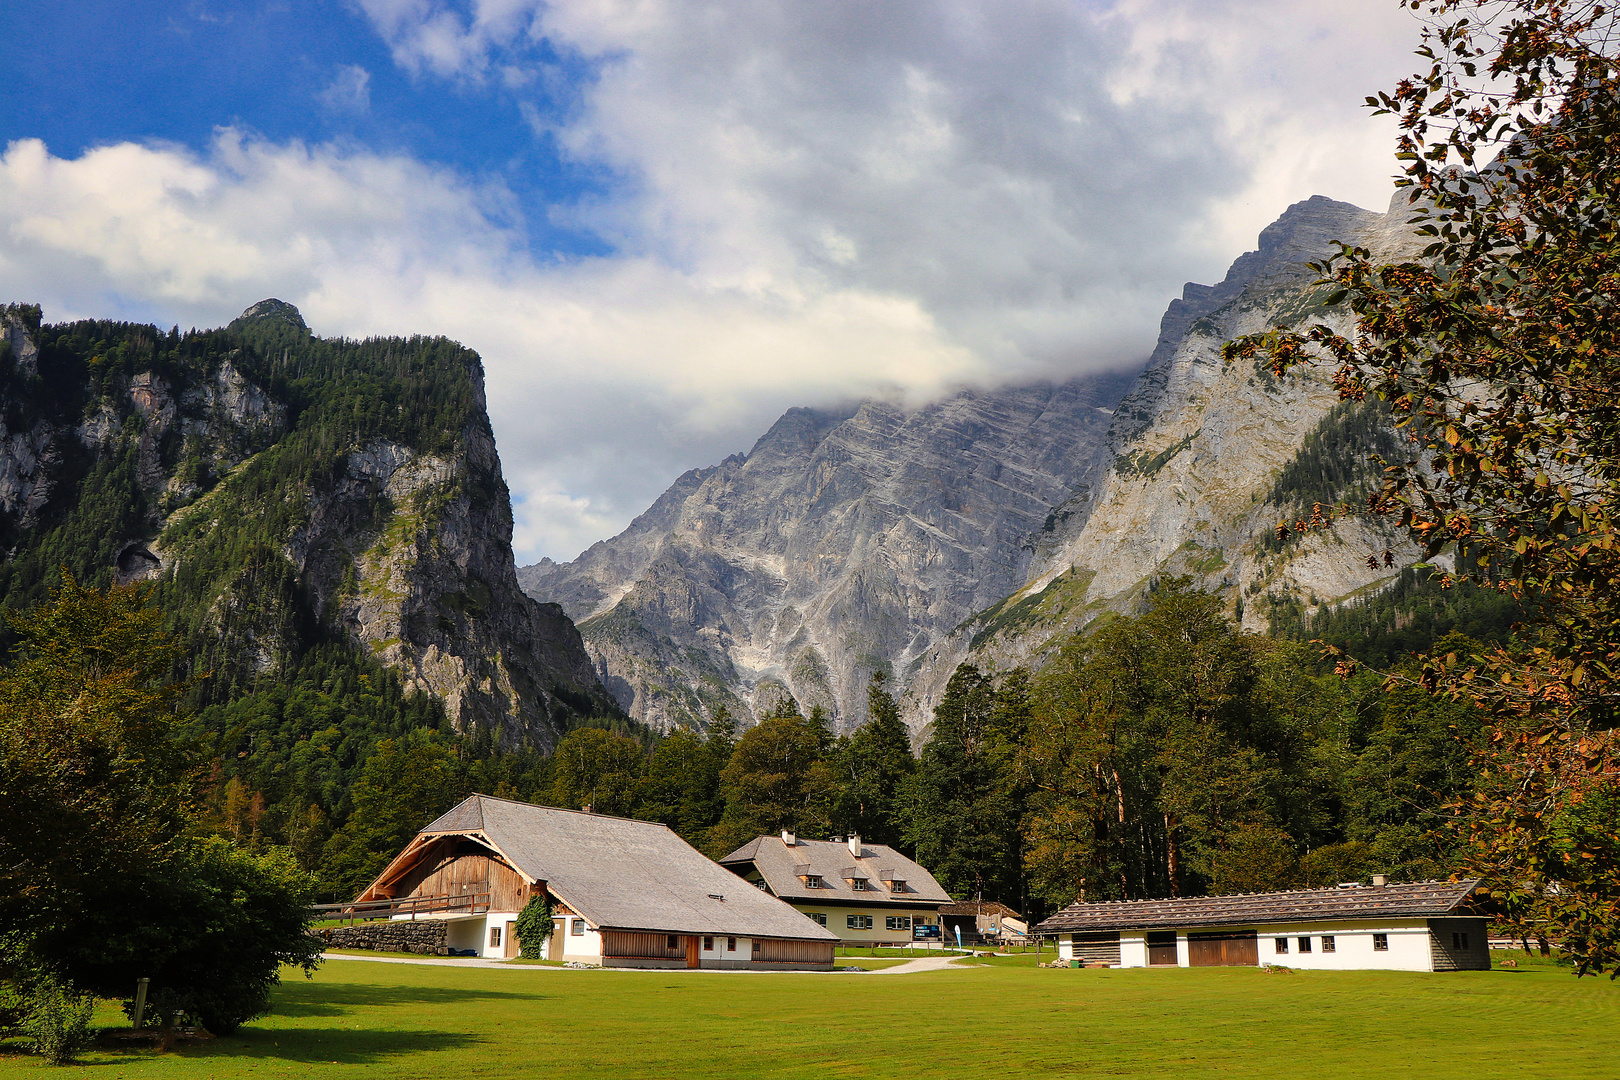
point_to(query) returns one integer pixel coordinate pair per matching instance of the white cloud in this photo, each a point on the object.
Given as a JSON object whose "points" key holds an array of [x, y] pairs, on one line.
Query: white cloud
{"points": [[819, 201], [349, 91]]}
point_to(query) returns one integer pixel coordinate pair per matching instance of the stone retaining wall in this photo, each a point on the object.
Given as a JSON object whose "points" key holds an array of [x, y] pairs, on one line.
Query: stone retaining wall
{"points": [[425, 936]]}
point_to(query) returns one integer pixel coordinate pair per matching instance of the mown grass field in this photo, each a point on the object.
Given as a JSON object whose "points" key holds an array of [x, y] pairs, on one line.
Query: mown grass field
{"points": [[357, 1018]]}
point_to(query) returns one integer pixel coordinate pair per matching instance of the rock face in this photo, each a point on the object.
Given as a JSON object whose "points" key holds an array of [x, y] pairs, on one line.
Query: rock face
{"points": [[986, 527], [845, 542], [271, 513]]}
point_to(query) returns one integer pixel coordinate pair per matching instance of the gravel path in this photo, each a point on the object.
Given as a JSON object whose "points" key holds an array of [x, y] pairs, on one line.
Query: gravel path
{"points": [[911, 967]]}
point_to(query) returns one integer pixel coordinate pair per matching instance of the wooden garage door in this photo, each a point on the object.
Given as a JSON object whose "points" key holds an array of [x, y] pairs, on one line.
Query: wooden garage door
{"points": [[1161, 948], [1233, 949]]}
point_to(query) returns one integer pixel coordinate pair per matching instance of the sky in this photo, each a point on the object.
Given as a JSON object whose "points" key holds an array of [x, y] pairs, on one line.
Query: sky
{"points": [[664, 222]]}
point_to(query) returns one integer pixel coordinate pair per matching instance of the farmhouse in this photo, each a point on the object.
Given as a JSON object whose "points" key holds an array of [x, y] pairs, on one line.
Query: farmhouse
{"points": [[867, 894], [627, 893], [1423, 927]]}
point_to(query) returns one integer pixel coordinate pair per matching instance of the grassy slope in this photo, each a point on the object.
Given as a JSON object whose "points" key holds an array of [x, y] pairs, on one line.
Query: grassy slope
{"points": [[383, 1020]]}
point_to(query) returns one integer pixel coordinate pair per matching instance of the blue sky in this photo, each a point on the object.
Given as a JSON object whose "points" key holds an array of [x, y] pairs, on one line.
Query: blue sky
{"points": [[105, 71], [664, 222]]}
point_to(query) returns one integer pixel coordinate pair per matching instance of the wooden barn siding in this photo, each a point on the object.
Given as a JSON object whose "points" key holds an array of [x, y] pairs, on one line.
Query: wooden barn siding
{"points": [[457, 875], [633, 945], [1477, 957], [775, 951], [1096, 948]]}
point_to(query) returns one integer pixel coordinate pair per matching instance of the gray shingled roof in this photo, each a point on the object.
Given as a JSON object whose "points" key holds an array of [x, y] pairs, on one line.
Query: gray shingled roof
{"points": [[622, 874], [1427, 899], [782, 868]]}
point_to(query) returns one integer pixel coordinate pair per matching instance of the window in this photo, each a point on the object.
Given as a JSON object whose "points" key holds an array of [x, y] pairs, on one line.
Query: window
{"points": [[758, 947], [576, 928], [1380, 943], [1282, 946], [761, 886], [1304, 944], [821, 919], [1459, 941], [897, 922], [708, 944], [813, 881], [897, 886], [858, 922], [672, 941], [494, 937], [860, 884], [731, 944], [1327, 942]]}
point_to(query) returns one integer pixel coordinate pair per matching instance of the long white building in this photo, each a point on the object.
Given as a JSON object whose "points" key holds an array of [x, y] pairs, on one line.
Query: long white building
{"points": [[1428, 926]]}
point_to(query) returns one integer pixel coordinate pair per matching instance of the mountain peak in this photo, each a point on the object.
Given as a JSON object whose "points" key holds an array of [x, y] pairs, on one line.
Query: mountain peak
{"points": [[271, 311]]}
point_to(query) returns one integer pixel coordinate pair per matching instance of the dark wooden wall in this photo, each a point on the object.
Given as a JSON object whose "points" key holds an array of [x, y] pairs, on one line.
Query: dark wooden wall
{"points": [[642, 946], [452, 870], [775, 951]]}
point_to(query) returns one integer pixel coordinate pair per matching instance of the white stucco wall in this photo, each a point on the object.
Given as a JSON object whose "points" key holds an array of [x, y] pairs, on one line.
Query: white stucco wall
{"points": [[1353, 946], [585, 947]]}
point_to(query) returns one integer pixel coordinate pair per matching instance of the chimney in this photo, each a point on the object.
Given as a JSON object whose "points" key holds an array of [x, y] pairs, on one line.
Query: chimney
{"points": [[855, 844], [788, 838], [1379, 881], [588, 808]]}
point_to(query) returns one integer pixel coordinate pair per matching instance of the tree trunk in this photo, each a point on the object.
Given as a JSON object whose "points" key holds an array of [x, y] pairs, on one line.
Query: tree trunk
{"points": [[1172, 855]]}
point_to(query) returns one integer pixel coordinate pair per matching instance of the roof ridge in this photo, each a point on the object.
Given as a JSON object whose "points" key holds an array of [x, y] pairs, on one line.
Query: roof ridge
{"points": [[563, 810]]}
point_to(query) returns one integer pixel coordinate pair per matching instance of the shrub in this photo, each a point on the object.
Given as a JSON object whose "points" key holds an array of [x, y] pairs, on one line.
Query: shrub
{"points": [[534, 925], [59, 1021]]}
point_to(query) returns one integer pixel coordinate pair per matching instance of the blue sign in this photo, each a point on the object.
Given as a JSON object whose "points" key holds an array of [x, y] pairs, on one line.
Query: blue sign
{"points": [[924, 932]]}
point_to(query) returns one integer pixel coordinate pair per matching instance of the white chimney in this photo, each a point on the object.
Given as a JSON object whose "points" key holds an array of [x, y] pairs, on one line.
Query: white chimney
{"points": [[788, 838], [855, 844], [1379, 881]]}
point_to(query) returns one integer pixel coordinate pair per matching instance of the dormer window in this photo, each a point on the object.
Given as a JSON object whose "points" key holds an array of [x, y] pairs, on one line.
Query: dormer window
{"points": [[813, 881], [860, 884], [896, 885]]}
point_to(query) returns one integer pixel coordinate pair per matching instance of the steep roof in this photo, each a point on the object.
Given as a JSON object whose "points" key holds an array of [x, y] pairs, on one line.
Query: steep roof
{"points": [[784, 869], [1426, 899], [624, 874]]}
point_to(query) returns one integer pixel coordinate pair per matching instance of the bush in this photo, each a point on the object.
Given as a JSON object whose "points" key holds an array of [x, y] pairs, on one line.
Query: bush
{"points": [[534, 926], [59, 1022]]}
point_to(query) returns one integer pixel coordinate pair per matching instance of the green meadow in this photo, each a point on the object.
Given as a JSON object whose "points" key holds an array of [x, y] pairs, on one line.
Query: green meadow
{"points": [[1006, 1019]]}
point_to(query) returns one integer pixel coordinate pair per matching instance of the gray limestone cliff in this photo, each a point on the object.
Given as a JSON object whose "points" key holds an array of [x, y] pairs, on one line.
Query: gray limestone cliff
{"points": [[985, 527]]}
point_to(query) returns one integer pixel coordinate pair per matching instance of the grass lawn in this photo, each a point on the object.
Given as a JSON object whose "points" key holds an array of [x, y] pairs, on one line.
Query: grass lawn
{"points": [[398, 1020]]}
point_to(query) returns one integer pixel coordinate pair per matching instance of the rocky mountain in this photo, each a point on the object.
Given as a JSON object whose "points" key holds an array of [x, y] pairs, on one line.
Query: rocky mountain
{"points": [[284, 493], [991, 525], [845, 541]]}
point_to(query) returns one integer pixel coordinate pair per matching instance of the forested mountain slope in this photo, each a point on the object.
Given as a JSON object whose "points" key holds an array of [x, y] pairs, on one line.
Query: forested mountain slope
{"points": [[321, 512], [993, 524]]}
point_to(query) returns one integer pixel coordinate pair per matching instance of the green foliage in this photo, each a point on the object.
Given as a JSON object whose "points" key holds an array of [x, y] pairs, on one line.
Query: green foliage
{"points": [[870, 768], [1170, 754], [93, 791], [597, 769], [106, 881], [1387, 628], [776, 779], [1497, 349], [961, 808], [229, 922], [58, 1022], [1335, 464], [534, 925]]}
